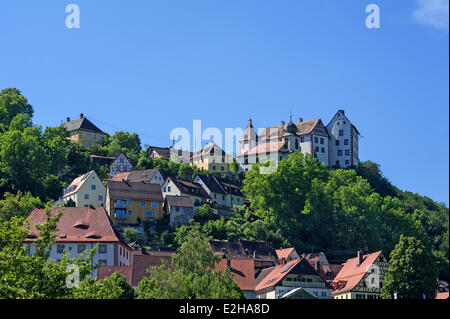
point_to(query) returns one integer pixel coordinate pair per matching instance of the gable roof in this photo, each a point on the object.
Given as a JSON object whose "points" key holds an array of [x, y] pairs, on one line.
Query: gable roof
{"points": [[190, 188], [243, 271], [136, 191], [260, 251], [82, 124], [212, 183], [136, 176], [77, 224], [284, 253], [179, 201], [164, 152], [277, 131], [351, 274], [262, 148], [271, 276], [208, 148], [77, 183]]}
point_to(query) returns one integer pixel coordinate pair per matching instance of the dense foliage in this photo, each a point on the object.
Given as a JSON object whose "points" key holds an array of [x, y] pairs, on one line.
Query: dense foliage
{"points": [[190, 276], [412, 271]]}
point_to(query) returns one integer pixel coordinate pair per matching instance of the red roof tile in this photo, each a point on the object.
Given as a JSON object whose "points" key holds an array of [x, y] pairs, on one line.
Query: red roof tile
{"points": [[77, 224], [276, 274], [351, 274], [243, 271], [284, 253]]}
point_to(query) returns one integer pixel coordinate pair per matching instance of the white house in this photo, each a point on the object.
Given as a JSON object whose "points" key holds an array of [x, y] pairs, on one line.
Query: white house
{"points": [[344, 146], [86, 190]]}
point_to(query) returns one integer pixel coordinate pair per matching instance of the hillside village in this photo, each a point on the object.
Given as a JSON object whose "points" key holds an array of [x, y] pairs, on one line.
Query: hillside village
{"points": [[97, 211], [280, 236]]}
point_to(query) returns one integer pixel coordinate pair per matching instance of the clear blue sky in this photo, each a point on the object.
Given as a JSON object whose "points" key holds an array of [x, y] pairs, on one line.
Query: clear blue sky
{"points": [[149, 66]]}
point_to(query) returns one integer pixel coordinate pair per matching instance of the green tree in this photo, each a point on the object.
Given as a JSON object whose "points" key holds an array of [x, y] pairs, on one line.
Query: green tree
{"points": [[25, 276], [19, 205], [130, 234], [412, 271], [12, 103], [112, 287], [191, 275], [128, 143]]}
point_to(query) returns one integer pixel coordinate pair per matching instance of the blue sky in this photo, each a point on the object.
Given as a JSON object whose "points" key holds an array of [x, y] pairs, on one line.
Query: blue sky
{"points": [[149, 66]]}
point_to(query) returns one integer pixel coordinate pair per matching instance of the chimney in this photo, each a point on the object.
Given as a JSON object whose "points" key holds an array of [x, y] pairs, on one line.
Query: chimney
{"points": [[254, 254], [317, 265], [300, 119], [67, 119], [282, 123], [228, 263], [81, 115], [360, 258]]}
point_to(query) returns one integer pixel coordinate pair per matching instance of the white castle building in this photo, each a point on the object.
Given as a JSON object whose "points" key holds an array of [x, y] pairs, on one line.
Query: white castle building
{"points": [[335, 144]]}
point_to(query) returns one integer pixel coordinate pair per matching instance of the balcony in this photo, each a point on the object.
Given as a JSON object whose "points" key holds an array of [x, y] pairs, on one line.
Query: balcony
{"points": [[120, 215], [120, 204]]}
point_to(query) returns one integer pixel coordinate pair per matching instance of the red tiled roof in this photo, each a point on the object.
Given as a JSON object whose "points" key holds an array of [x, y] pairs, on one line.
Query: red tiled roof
{"points": [[119, 177], [77, 224], [284, 253], [77, 183], [243, 271], [351, 274], [442, 295], [276, 274], [265, 147]]}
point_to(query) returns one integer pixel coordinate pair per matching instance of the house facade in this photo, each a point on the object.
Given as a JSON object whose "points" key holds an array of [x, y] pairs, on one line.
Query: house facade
{"points": [[336, 143], [132, 204], [180, 209], [224, 194], [176, 187], [212, 158], [344, 141], [80, 229], [84, 131], [121, 164], [86, 190], [276, 282], [361, 277]]}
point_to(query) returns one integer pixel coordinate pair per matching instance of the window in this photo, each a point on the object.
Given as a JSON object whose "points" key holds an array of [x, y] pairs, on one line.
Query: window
{"points": [[81, 248], [323, 150], [149, 214], [324, 293], [130, 212], [321, 140], [316, 139], [177, 209], [214, 167], [100, 198], [339, 152], [222, 168], [93, 187], [337, 142], [154, 204], [168, 189], [347, 162], [143, 204], [302, 139], [185, 209], [341, 132], [165, 189], [102, 262], [347, 152], [130, 202], [346, 142], [337, 163], [316, 149], [86, 196], [60, 249], [102, 249]]}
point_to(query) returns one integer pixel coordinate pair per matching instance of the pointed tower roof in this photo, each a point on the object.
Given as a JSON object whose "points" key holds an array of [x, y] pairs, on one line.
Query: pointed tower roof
{"points": [[249, 133]]}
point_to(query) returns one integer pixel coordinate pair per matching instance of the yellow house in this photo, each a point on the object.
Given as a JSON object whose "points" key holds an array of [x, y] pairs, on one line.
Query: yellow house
{"points": [[212, 158], [84, 131], [132, 203]]}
